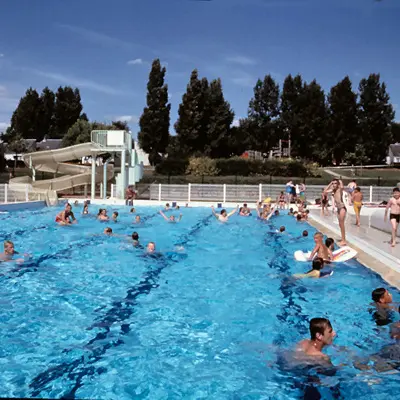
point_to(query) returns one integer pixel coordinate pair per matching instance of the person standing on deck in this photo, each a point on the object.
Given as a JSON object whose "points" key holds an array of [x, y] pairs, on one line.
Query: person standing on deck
{"points": [[336, 188], [357, 199], [394, 205]]}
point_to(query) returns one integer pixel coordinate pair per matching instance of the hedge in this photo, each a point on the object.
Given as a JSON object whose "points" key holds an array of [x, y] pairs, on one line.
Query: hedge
{"points": [[241, 167]]}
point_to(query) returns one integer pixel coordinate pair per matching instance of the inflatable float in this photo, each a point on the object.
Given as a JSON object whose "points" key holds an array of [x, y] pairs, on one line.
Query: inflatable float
{"points": [[340, 255]]}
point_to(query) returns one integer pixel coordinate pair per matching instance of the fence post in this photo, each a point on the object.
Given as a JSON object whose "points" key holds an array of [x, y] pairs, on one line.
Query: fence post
{"points": [[224, 199], [189, 190], [26, 193], [370, 194], [260, 192], [6, 193], [159, 192]]}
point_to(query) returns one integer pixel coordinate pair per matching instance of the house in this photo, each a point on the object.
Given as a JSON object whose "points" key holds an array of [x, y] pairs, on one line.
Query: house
{"points": [[394, 154], [49, 144]]}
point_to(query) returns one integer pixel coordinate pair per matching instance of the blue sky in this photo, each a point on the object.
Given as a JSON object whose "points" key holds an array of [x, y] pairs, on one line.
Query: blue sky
{"points": [[105, 47]]}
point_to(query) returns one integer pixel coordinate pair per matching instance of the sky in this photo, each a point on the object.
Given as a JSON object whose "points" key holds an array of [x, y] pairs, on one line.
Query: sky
{"points": [[105, 48]]}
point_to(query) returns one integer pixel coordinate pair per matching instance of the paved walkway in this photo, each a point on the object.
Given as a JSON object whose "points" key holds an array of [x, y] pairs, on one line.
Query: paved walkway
{"points": [[374, 248]]}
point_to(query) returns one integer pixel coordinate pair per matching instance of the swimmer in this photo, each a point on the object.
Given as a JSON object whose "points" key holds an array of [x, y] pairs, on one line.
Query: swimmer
{"points": [[357, 199], [320, 250], [280, 201], [102, 215], [171, 218], [76, 203], [305, 234], [394, 205], [177, 208], [322, 335], [108, 231], [85, 208], [290, 211], [304, 216], [330, 244], [9, 252], [151, 247], [133, 210], [282, 229], [244, 211], [315, 272], [223, 216], [135, 239], [299, 217], [382, 300], [115, 216], [167, 207], [66, 217], [137, 220]]}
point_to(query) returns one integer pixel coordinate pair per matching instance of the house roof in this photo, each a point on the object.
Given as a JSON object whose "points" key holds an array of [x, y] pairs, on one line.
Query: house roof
{"points": [[395, 149], [49, 144]]}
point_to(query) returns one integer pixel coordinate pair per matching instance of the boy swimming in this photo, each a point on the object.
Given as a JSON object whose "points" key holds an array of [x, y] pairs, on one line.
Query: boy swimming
{"points": [[320, 249]]}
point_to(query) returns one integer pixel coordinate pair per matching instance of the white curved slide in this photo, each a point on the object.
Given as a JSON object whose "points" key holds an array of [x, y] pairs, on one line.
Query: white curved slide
{"points": [[54, 161]]}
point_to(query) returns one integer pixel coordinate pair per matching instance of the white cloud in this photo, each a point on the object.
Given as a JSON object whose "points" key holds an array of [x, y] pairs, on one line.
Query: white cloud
{"points": [[4, 126], [75, 81], [133, 119], [241, 60], [235, 122], [136, 61]]}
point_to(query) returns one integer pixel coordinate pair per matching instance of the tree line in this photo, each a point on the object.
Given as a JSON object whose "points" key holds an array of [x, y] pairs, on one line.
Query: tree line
{"points": [[340, 126]]}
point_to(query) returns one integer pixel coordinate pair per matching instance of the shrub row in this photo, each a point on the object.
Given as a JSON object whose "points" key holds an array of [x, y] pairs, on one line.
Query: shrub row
{"points": [[233, 166]]}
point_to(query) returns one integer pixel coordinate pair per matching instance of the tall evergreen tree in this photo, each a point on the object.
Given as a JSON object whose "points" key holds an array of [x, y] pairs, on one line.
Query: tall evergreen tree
{"points": [[46, 112], [396, 132], [25, 121], [67, 110], [191, 126], [343, 122], [155, 120], [291, 106], [220, 117], [263, 113], [376, 116]]}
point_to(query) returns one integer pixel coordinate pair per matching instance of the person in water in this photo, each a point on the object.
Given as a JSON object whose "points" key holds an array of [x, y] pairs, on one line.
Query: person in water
{"points": [[171, 218], [330, 244], [137, 219], [394, 205], [357, 199], [102, 215], [108, 231], [315, 272], [320, 250], [167, 207], [135, 239], [336, 188], [151, 247], [383, 300], [305, 234], [85, 208], [223, 216], [115, 216], [322, 335], [9, 252], [66, 217], [133, 210]]}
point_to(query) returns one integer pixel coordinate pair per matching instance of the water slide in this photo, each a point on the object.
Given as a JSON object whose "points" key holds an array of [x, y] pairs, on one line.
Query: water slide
{"points": [[54, 161]]}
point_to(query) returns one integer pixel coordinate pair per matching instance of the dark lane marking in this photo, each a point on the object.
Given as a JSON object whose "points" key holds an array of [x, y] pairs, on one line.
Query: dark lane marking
{"points": [[120, 311]]}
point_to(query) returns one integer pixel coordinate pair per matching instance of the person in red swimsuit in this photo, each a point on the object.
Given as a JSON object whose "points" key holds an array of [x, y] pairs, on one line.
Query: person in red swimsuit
{"points": [[66, 217]]}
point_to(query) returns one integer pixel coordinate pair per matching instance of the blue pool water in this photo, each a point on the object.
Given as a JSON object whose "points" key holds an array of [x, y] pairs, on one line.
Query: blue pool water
{"points": [[90, 317]]}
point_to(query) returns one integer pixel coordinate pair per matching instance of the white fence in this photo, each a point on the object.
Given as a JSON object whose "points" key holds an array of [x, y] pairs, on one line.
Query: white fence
{"points": [[18, 193], [247, 193]]}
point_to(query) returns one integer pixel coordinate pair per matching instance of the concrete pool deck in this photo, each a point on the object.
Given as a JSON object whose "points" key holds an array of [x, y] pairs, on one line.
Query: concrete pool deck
{"points": [[374, 250]]}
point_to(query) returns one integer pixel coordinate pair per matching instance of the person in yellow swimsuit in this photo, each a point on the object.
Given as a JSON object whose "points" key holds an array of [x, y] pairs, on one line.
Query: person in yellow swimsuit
{"points": [[357, 198]]}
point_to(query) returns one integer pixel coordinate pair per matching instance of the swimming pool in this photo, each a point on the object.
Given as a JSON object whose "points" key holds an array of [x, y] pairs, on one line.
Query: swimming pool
{"points": [[90, 317]]}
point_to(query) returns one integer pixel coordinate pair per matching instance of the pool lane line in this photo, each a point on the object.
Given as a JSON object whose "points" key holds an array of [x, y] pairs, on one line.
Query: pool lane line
{"points": [[121, 310]]}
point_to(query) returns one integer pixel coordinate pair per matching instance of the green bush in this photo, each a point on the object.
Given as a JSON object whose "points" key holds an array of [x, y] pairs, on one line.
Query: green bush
{"points": [[199, 166], [235, 166], [172, 166]]}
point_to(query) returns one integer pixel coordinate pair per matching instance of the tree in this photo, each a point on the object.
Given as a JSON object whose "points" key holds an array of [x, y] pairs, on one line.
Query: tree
{"points": [[18, 146], [191, 127], [376, 116], [84, 117], [154, 122], [120, 125], [25, 121], [396, 132], [46, 113], [343, 122], [291, 105], [262, 114], [67, 110], [79, 132], [220, 117]]}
